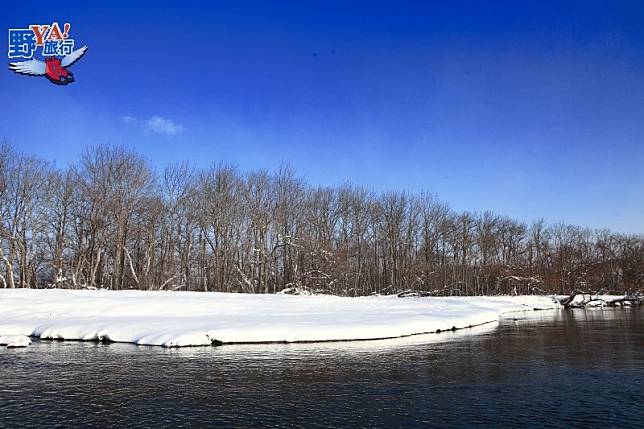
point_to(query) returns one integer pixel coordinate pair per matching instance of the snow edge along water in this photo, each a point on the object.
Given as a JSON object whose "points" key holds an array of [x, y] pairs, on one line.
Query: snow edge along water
{"points": [[182, 319]]}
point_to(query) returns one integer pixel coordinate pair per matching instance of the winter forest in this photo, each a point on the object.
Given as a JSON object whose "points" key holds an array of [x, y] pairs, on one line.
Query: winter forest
{"points": [[112, 221]]}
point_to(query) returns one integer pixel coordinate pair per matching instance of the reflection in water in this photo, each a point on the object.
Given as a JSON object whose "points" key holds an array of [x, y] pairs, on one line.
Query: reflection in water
{"points": [[542, 368]]}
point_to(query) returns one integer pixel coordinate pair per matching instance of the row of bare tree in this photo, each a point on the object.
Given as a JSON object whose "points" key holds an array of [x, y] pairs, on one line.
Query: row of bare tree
{"points": [[111, 221]]}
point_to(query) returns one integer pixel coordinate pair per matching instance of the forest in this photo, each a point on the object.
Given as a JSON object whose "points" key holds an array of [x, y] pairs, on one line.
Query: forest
{"points": [[111, 220]]}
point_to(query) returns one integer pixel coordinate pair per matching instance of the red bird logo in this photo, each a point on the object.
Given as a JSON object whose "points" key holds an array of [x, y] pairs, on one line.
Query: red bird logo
{"points": [[52, 68]]}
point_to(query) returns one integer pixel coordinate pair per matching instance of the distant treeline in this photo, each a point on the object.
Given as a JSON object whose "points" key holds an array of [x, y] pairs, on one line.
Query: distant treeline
{"points": [[112, 221]]}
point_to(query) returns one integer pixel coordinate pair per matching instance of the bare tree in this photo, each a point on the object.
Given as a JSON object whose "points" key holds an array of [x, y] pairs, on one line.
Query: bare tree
{"points": [[110, 221]]}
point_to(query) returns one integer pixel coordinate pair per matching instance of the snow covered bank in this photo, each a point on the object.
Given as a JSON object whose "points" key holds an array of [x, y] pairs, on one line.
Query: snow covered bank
{"points": [[14, 341], [175, 319]]}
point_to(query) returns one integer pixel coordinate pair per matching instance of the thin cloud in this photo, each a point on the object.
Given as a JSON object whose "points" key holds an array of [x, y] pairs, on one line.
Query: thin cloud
{"points": [[160, 125], [127, 119]]}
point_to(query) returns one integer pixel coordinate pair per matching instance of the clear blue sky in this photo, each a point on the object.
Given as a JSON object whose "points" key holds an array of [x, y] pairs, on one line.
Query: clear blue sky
{"points": [[530, 109]]}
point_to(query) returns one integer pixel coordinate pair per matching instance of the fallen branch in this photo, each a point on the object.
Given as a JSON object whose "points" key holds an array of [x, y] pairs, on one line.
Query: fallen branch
{"points": [[589, 299]]}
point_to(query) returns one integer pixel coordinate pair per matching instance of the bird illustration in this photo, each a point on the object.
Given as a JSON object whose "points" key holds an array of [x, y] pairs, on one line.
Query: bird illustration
{"points": [[52, 68]]}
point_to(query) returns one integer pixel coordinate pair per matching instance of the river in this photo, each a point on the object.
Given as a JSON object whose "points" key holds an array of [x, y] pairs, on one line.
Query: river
{"points": [[575, 368]]}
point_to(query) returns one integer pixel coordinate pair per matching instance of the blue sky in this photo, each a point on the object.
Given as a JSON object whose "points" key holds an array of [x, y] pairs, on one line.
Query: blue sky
{"points": [[530, 109]]}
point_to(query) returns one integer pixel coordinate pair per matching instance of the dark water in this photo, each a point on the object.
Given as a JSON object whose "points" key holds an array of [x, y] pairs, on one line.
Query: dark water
{"points": [[548, 369]]}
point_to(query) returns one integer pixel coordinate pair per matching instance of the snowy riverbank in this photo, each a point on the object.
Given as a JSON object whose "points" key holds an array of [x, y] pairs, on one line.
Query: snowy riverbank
{"points": [[175, 319]]}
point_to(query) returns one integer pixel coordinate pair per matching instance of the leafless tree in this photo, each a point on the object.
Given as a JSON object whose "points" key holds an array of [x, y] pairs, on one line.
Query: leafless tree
{"points": [[111, 221]]}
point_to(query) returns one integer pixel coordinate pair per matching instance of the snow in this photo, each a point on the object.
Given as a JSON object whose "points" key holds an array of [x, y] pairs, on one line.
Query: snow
{"points": [[592, 300], [177, 319], [14, 341]]}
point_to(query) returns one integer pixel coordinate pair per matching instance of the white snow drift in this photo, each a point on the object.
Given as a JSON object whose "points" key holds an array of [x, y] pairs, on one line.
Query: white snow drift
{"points": [[175, 319], [14, 341]]}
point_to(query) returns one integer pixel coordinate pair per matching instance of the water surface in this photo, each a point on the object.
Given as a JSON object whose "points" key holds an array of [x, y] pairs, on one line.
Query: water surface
{"points": [[547, 369]]}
